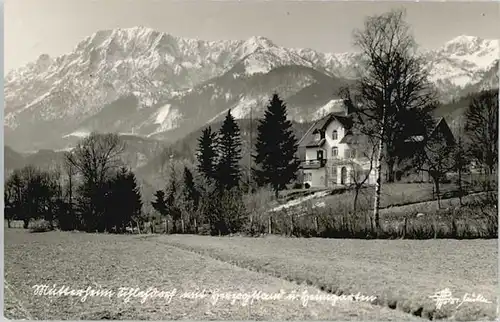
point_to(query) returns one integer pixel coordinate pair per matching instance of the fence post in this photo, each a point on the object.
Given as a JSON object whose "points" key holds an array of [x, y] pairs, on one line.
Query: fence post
{"points": [[454, 228], [269, 224], [405, 227], [182, 225], [316, 225], [291, 225]]}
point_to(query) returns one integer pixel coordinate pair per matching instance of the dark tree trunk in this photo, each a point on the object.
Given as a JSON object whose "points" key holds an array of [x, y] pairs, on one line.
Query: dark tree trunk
{"points": [[460, 188], [174, 226], [438, 195], [355, 203], [390, 171]]}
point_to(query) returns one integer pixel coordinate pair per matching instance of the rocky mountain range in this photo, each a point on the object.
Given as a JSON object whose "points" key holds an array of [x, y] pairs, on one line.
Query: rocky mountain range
{"points": [[150, 84]]}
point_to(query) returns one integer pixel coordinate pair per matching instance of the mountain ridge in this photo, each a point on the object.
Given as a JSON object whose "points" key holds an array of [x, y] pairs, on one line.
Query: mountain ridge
{"points": [[175, 80]]}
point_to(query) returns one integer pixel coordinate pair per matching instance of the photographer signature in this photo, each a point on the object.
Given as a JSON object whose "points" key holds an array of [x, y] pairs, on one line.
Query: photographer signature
{"points": [[444, 297]]}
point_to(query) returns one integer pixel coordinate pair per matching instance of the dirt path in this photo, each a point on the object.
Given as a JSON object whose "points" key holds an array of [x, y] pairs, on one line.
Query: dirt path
{"points": [[428, 205]]}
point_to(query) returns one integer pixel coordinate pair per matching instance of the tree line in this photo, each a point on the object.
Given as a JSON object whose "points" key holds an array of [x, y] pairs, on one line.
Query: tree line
{"points": [[214, 197], [95, 191]]}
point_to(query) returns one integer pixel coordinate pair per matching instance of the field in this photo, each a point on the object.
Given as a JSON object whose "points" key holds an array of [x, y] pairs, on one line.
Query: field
{"points": [[404, 272], [103, 261]]}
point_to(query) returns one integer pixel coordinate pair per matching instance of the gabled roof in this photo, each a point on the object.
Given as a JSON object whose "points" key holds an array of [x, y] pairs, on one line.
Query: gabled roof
{"points": [[309, 139], [438, 122]]}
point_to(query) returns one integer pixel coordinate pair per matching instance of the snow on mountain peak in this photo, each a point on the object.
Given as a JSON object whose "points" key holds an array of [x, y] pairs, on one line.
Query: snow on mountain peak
{"points": [[463, 39], [260, 41], [462, 61], [157, 67], [465, 45]]}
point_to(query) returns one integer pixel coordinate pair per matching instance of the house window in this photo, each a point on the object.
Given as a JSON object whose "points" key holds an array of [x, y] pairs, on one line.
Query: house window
{"points": [[307, 176], [335, 152], [353, 153], [320, 154], [334, 135]]}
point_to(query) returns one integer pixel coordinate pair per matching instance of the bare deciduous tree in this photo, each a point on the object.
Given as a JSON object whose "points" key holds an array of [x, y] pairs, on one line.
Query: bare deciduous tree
{"points": [[481, 127], [367, 150], [392, 83], [95, 156], [437, 157], [461, 156]]}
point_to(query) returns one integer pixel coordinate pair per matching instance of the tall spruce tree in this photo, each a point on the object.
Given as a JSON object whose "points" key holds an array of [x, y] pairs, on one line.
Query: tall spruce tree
{"points": [[276, 147], [190, 193], [160, 205], [228, 169], [207, 154], [171, 201], [124, 202], [191, 199]]}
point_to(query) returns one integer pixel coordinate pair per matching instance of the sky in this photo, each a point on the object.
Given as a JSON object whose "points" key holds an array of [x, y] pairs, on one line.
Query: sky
{"points": [[54, 27]]}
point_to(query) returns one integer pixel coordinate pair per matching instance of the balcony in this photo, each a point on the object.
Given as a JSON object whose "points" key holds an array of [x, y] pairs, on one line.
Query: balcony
{"points": [[313, 164]]}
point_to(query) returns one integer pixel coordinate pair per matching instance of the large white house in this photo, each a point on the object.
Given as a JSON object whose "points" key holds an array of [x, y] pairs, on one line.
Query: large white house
{"points": [[334, 156]]}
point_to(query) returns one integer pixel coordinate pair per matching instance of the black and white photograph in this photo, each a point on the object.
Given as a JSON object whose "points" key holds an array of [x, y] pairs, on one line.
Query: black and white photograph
{"points": [[250, 160]]}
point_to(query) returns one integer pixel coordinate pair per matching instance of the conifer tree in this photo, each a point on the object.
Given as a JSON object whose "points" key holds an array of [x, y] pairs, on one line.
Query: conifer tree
{"points": [[191, 197], [276, 147], [160, 205], [190, 192], [171, 201], [207, 154], [228, 169], [124, 200]]}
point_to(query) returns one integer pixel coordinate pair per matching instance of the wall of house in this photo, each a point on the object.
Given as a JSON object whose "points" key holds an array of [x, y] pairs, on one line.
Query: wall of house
{"points": [[318, 175], [317, 178], [330, 142]]}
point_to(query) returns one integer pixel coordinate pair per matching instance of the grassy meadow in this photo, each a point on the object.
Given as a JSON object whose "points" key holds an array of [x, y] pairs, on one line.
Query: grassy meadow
{"points": [[104, 261], [402, 274]]}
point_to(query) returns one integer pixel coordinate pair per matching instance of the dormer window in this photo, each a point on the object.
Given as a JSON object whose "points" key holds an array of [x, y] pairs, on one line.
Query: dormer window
{"points": [[319, 134], [334, 135]]}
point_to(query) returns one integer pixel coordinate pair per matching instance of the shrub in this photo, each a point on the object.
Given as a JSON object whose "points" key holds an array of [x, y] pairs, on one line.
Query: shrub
{"points": [[256, 205], [476, 219], [307, 185], [40, 226]]}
